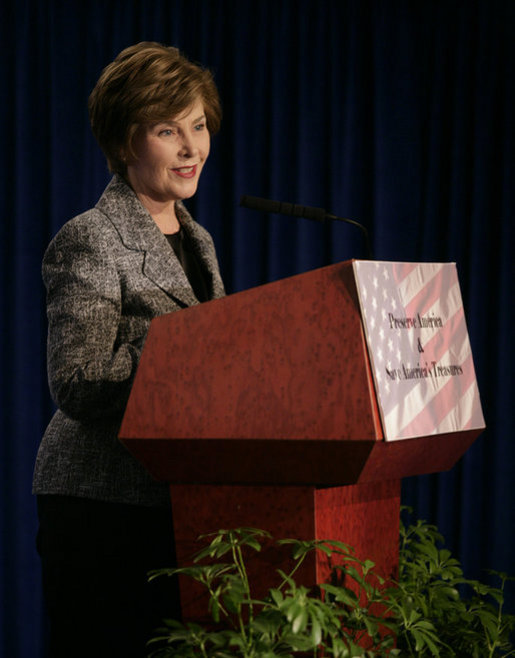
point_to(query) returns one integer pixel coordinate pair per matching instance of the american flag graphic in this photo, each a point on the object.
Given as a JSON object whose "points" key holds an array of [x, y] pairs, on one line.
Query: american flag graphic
{"points": [[419, 348]]}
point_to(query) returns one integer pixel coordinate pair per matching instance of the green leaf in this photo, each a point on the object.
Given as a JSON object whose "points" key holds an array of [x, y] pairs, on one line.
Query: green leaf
{"points": [[341, 594], [300, 620], [316, 631], [368, 565], [371, 626], [299, 547], [355, 574], [430, 550], [276, 596]]}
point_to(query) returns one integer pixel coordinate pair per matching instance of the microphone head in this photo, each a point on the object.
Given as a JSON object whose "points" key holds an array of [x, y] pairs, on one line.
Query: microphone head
{"points": [[291, 209], [257, 203]]}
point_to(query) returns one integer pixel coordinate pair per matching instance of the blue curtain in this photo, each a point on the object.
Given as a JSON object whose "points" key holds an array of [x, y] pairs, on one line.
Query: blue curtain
{"points": [[396, 113]]}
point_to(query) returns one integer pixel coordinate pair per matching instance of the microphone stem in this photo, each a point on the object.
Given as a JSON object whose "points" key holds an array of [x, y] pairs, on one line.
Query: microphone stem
{"points": [[361, 228]]}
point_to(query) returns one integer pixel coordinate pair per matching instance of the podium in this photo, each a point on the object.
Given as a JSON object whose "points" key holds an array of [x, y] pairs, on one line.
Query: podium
{"points": [[259, 410]]}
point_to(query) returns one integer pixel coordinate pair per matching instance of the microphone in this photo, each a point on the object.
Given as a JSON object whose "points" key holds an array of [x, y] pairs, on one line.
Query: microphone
{"points": [[295, 210], [280, 208]]}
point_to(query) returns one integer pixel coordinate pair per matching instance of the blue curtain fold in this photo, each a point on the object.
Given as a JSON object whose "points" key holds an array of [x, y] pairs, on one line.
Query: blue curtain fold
{"points": [[395, 113]]}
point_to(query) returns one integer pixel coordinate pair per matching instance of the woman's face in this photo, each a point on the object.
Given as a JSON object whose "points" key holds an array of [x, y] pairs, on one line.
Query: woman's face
{"points": [[170, 156]]}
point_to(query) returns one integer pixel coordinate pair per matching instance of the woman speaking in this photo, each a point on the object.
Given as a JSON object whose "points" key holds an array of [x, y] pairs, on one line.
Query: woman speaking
{"points": [[104, 523]]}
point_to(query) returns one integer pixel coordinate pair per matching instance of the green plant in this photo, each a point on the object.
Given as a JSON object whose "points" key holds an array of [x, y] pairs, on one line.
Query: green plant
{"points": [[433, 598], [424, 614]]}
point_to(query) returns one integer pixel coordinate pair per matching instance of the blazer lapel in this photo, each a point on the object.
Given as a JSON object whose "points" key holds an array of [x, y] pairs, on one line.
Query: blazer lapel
{"points": [[139, 232], [202, 244], [163, 268]]}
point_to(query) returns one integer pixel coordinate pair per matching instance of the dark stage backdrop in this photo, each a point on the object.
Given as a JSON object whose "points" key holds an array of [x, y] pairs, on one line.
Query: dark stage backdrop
{"points": [[398, 114]]}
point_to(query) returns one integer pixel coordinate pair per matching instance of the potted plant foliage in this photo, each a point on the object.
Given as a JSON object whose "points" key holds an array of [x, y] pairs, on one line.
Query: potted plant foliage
{"points": [[432, 610]]}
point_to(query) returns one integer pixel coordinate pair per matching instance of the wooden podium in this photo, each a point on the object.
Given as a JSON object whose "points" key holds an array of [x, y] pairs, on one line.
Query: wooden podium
{"points": [[259, 409]]}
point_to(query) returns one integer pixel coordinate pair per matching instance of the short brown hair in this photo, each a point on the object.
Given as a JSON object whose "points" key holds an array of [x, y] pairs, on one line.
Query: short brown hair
{"points": [[146, 83]]}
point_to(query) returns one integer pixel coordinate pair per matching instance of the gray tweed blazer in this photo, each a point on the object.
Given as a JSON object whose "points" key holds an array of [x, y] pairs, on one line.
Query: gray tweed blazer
{"points": [[108, 273]]}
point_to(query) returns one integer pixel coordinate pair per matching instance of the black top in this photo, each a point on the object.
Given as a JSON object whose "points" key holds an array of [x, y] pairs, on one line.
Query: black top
{"points": [[190, 263]]}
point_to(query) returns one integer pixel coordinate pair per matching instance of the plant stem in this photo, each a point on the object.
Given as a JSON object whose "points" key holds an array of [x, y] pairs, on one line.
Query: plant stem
{"points": [[499, 620], [292, 572], [240, 565]]}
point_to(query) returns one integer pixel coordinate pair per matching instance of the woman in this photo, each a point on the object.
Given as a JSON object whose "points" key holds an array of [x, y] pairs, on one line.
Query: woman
{"points": [[104, 523]]}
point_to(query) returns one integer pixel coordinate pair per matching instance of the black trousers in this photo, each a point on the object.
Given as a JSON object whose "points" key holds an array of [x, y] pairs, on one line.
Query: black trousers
{"points": [[95, 558]]}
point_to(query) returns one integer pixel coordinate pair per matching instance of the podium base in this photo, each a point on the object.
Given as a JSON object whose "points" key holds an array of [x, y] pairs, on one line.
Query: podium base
{"points": [[365, 516]]}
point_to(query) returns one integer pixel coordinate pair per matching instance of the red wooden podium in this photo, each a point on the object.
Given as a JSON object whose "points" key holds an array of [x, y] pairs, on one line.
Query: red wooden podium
{"points": [[259, 409]]}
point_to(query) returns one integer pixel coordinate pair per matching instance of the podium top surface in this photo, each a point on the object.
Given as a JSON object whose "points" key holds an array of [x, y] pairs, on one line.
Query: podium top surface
{"points": [[286, 360]]}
